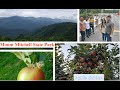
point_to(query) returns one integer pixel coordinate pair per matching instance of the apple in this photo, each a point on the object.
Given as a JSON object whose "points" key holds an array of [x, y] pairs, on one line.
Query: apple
{"points": [[82, 59], [89, 63], [93, 53], [84, 64], [31, 73], [88, 69], [94, 59], [95, 65]]}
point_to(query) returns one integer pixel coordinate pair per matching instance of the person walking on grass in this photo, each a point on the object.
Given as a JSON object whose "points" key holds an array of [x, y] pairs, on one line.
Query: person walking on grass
{"points": [[102, 28], [109, 28], [87, 26], [92, 24], [82, 29]]}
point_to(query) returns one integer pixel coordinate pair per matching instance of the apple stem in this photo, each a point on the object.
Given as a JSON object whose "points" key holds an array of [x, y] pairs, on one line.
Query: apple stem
{"points": [[31, 65]]}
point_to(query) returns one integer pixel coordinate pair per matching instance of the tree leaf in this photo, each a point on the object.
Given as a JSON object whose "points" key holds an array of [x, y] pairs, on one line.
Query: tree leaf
{"points": [[27, 53], [19, 55], [27, 60], [40, 64]]}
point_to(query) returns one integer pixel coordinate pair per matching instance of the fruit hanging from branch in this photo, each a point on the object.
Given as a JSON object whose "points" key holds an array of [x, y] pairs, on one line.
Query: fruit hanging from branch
{"points": [[90, 63], [89, 69], [93, 53], [31, 73], [84, 64], [92, 59], [82, 59], [33, 70]]}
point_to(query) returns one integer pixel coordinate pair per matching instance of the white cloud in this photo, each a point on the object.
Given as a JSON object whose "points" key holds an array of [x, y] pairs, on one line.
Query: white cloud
{"points": [[51, 13]]}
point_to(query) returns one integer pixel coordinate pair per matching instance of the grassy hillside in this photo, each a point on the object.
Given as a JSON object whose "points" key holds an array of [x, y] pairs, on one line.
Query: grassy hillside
{"points": [[10, 65]]}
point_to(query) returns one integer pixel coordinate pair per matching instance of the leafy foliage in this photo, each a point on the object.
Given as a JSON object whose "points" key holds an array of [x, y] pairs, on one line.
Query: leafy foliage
{"points": [[10, 65], [94, 11], [94, 59], [89, 12], [48, 66], [59, 59]]}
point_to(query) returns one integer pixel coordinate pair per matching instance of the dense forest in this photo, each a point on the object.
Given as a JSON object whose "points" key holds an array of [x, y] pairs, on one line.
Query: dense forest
{"points": [[66, 31]]}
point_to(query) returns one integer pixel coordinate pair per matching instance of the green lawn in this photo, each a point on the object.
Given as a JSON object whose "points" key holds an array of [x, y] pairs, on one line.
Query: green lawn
{"points": [[10, 65]]}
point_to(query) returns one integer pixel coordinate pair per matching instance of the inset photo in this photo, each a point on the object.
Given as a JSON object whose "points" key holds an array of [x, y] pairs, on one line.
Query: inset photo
{"points": [[38, 24], [99, 25], [26, 66], [88, 59]]}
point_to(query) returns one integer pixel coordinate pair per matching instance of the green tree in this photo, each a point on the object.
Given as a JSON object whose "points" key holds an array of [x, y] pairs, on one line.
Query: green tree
{"points": [[95, 59], [59, 59]]}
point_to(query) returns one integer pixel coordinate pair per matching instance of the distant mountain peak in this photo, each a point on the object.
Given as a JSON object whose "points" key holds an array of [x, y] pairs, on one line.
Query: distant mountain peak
{"points": [[19, 24]]}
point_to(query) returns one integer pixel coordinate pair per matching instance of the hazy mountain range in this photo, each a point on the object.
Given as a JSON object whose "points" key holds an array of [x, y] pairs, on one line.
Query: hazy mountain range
{"points": [[14, 26], [28, 23]]}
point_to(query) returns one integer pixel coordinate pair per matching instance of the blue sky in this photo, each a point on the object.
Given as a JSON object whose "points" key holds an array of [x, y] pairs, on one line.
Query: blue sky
{"points": [[51, 13]]}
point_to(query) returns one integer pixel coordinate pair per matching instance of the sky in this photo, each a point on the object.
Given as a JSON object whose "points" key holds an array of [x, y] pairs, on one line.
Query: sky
{"points": [[67, 46], [51, 13]]}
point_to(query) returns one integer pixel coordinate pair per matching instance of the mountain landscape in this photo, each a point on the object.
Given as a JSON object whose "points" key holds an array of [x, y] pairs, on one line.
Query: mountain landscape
{"points": [[18, 28]]}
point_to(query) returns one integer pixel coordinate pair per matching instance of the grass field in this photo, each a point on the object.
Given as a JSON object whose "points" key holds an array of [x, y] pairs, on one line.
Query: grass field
{"points": [[10, 65]]}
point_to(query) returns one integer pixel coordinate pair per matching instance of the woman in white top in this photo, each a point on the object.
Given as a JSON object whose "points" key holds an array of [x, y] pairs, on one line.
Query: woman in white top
{"points": [[102, 28], [87, 26]]}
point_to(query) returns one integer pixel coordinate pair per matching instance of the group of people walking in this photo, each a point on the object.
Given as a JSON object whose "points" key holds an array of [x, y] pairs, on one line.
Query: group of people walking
{"points": [[87, 28]]}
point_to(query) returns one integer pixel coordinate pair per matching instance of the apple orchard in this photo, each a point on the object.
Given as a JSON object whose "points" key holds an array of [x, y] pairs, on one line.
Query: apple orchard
{"points": [[88, 59]]}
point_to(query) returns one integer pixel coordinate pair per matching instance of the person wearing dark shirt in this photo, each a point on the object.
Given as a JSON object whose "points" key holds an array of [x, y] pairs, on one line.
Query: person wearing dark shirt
{"points": [[109, 28]]}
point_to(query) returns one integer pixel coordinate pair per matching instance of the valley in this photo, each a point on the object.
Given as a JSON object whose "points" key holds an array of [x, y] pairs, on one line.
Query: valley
{"points": [[18, 28]]}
